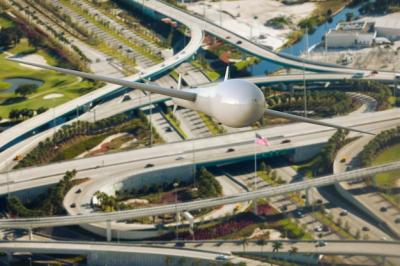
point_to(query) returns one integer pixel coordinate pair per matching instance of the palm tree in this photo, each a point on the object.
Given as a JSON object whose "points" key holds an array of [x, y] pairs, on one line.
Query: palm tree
{"points": [[245, 242], [262, 243], [293, 250], [276, 246], [168, 260]]}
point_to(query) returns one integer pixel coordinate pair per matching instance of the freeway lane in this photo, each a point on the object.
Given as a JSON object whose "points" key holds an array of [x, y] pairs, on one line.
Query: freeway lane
{"points": [[191, 19], [10, 136], [30, 223], [207, 149], [105, 110], [207, 249]]}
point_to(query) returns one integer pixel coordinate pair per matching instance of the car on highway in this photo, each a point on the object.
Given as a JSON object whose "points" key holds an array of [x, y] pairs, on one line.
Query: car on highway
{"points": [[343, 160], [321, 243], [285, 141], [149, 165], [398, 76], [73, 205], [374, 72], [397, 220], [78, 191], [383, 209], [230, 150], [179, 158], [365, 228], [239, 42], [18, 158], [179, 244], [344, 213], [222, 257], [358, 75]]}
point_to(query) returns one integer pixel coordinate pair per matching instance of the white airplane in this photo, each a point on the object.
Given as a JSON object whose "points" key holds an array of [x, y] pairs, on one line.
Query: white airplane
{"points": [[233, 102]]}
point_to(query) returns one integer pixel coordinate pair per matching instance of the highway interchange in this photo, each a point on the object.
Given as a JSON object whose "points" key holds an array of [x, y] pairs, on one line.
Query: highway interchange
{"points": [[305, 135]]}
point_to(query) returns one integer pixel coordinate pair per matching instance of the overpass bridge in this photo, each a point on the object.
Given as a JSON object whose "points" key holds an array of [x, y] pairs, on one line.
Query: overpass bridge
{"points": [[190, 19], [101, 253], [30, 223], [197, 26], [305, 140]]}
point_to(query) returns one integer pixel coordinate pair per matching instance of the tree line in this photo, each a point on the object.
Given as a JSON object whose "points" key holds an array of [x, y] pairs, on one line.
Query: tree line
{"points": [[25, 113], [381, 142], [322, 103], [377, 90], [47, 149], [46, 204], [323, 163]]}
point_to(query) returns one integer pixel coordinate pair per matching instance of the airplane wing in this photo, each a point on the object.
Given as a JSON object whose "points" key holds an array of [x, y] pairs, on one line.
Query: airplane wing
{"points": [[311, 121], [185, 95]]}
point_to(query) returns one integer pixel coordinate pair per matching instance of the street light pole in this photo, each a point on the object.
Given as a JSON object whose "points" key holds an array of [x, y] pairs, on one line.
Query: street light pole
{"points": [[305, 90], [304, 77], [176, 211], [194, 165], [151, 126], [220, 13], [255, 176]]}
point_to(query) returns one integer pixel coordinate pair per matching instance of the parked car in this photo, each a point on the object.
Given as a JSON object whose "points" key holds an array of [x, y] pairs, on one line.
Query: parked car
{"points": [[383, 209], [374, 72], [285, 141], [318, 228], [343, 160], [358, 75], [230, 150], [73, 205], [299, 214], [239, 42], [344, 213], [149, 165], [365, 228]]}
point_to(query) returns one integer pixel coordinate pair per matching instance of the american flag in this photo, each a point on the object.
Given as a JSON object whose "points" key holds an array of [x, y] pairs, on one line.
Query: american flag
{"points": [[260, 140]]}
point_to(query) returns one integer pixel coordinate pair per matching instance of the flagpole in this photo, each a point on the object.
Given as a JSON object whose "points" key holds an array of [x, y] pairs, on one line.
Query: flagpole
{"points": [[255, 174]]}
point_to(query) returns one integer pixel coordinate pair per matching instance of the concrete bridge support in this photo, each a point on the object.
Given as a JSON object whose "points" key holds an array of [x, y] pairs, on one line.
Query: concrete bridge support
{"points": [[9, 257], [30, 234], [308, 197], [108, 229]]}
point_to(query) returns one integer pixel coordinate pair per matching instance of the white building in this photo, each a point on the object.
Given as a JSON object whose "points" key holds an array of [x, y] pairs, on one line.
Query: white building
{"points": [[388, 26], [351, 34]]}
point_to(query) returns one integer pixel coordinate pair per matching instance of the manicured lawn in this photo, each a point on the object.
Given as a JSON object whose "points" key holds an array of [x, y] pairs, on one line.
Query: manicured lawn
{"points": [[71, 87], [79, 147], [388, 180], [389, 155]]}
